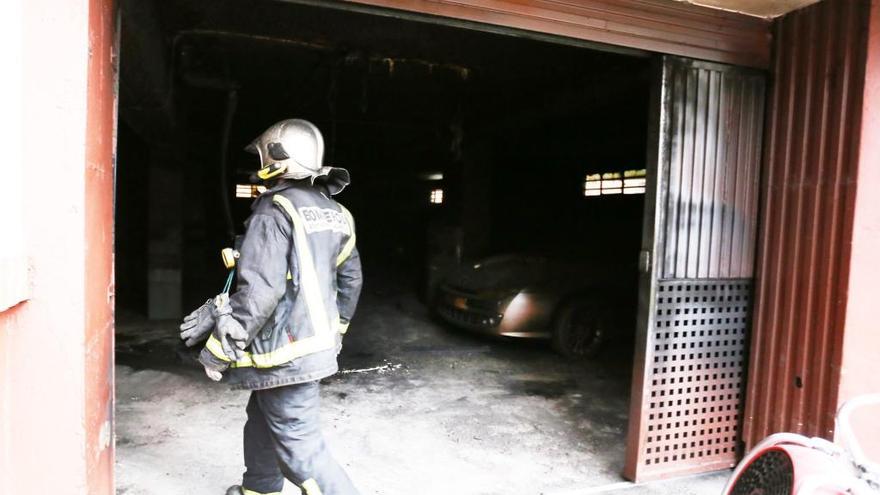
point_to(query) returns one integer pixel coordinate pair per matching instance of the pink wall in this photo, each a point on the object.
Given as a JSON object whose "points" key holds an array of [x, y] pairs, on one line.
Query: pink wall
{"points": [[860, 364], [54, 350]]}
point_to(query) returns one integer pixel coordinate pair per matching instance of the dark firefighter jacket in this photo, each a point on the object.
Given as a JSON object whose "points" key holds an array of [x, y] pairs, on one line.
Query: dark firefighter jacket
{"points": [[298, 283]]}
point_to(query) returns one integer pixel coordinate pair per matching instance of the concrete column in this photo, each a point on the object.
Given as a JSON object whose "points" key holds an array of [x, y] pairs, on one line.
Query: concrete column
{"points": [[860, 368], [165, 250]]}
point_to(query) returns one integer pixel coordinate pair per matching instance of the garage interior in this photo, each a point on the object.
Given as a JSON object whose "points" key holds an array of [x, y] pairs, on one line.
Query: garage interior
{"points": [[462, 144]]}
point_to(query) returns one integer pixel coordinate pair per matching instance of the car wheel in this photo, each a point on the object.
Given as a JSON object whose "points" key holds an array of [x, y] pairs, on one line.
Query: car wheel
{"points": [[579, 330]]}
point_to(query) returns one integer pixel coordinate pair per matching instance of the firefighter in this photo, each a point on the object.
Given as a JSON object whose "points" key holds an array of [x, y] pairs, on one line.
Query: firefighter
{"points": [[279, 332]]}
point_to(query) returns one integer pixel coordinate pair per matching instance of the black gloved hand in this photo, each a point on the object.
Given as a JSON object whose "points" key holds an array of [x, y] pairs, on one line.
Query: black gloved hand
{"points": [[197, 325], [228, 330], [227, 342], [214, 367]]}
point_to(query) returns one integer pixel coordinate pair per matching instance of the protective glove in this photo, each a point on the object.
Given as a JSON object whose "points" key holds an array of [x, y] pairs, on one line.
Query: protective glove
{"points": [[197, 325], [213, 374], [228, 330], [214, 367], [231, 336]]}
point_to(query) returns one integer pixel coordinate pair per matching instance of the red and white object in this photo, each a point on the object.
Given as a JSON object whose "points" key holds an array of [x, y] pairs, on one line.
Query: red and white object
{"points": [[792, 464]]}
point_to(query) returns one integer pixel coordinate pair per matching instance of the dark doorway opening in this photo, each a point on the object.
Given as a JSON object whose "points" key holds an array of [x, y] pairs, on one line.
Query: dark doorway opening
{"points": [[463, 146]]}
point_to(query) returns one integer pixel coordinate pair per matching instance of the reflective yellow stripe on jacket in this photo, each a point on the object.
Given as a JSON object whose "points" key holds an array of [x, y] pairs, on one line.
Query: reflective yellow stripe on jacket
{"points": [[311, 288], [310, 487], [245, 491], [349, 245], [325, 336]]}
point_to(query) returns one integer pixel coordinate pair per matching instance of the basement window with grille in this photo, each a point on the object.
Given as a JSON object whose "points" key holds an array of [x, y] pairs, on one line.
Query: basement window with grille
{"points": [[612, 183], [436, 196], [248, 191]]}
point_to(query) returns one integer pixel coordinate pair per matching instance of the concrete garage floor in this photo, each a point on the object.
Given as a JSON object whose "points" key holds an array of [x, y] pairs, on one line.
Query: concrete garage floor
{"points": [[419, 409]]}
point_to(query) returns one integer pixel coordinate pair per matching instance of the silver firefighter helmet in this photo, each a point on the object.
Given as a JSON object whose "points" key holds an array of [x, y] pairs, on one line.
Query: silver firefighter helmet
{"points": [[294, 149]]}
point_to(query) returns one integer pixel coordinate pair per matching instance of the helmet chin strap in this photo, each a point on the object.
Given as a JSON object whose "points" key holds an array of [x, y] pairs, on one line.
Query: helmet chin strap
{"points": [[271, 171]]}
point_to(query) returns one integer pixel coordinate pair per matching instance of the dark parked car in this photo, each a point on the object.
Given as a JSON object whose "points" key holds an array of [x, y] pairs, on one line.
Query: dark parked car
{"points": [[578, 304]]}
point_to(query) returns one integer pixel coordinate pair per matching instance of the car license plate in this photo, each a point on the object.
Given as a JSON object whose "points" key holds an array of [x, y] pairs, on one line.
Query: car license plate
{"points": [[459, 303]]}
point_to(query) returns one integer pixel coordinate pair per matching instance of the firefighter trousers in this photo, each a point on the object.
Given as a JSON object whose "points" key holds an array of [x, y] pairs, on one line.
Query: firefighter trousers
{"points": [[282, 439]]}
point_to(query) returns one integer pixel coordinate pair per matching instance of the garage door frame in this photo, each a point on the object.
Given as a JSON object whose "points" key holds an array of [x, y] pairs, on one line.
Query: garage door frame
{"points": [[628, 26]]}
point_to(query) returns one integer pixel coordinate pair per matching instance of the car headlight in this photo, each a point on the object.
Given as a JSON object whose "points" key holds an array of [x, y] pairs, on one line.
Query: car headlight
{"points": [[520, 308]]}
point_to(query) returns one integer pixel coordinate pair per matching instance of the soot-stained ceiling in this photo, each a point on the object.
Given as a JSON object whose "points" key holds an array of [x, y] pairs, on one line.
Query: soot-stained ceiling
{"points": [[382, 83]]}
